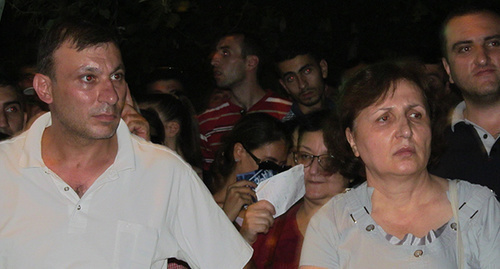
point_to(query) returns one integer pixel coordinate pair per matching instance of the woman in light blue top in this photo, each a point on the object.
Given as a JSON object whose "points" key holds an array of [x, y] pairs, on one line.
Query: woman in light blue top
{"points": [[402, 216]]}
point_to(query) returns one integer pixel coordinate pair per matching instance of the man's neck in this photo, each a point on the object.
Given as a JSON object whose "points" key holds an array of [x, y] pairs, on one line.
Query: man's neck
{"points": [[247, 94], [309, 109], [488, 117], [77, 161]]}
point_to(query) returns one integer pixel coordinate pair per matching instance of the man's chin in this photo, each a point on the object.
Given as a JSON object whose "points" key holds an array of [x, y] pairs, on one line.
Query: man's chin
{"points": [[310, 102], [104, 131]]}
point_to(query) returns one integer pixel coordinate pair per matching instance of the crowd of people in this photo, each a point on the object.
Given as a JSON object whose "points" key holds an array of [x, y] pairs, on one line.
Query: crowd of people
{"points": [[400, 162]]}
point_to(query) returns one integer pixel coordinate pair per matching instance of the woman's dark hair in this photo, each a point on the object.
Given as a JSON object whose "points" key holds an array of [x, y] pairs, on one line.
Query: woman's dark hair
{"points": [[366, 88], [177, 107], [326, 121], [156, 127], [252, 131], [312, 122]]}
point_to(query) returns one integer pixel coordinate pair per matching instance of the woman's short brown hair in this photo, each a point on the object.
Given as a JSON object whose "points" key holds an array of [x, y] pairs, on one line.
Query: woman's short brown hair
{"points": [[369, 86]]}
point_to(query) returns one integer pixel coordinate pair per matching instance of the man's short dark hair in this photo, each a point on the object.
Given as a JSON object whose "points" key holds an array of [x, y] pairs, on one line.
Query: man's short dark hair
{"points": [[81, 33], [289, 49], [6, 83], [250, 45], [459, 12]]}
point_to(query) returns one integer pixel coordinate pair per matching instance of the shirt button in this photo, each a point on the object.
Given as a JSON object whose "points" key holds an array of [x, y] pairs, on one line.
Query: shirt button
{"points": [[485, 136], [418, 253], [66, 188], [78, 207], [454, 226], [370, 227]]}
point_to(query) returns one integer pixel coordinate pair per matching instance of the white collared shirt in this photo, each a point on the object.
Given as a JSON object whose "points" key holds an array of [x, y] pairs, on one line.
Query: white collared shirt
{"points": [[147, 206], [458, 116]]}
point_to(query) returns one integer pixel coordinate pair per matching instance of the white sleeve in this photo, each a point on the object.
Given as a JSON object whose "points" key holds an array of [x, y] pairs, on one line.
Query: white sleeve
{"points": [[487, 233], [205, 234], [319, 247]]}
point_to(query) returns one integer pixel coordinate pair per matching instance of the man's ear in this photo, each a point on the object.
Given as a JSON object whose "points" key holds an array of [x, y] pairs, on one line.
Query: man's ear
{"points": [[350, 139], [43, 87], [252, 62], [446, 66], [324, 68], [172, 128]]}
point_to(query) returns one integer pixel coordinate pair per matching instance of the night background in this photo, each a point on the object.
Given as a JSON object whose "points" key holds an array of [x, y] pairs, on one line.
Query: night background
{"points": [[181, 33]]}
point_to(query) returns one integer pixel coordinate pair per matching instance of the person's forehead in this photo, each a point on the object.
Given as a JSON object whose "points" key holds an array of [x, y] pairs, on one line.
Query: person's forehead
{"points": [[108, 48], [69, 54], [470, 25], [7, 94], [309, 138], [232, 42], [296, 63], [401, 89]]}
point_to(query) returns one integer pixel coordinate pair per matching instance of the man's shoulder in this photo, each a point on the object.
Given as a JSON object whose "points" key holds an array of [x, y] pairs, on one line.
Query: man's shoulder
{"points": [[12, 148], [220, 109], [272, 97], [222, 116], [273, 105], [147, 149]]}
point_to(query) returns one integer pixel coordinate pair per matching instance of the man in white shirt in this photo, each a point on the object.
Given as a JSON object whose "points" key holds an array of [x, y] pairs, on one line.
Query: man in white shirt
{"points": [[471, 46], [79, 191]]}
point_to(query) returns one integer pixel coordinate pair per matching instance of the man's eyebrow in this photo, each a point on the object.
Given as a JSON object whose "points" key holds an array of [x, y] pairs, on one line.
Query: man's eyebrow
{"points": [[287, 74], [459, 43], [12, 103], [300, 70], [120, 67], [488, 38], [223, 47], [466, 42], [97, 70], [305, 67]]}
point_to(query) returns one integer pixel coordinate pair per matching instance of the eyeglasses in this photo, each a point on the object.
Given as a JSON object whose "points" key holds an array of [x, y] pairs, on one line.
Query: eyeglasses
{"points": [[325, 161], [267, 165]]}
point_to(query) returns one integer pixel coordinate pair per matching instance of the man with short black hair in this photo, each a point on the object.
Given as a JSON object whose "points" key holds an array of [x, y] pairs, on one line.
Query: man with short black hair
{"points": [[302, 73], [471, 48], [78, 190]]}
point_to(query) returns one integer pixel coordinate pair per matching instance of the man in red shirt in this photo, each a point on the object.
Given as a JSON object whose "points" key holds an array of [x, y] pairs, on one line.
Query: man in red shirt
{"points": [[236, 64]]}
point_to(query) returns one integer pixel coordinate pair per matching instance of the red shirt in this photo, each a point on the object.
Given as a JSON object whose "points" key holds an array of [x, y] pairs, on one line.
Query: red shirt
{"points": [[216, 122], [281, 246]]}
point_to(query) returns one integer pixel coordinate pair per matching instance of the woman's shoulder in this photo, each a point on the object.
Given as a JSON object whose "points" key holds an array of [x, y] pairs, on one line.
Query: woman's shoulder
{"points": [[469, 191], [342, 206]]}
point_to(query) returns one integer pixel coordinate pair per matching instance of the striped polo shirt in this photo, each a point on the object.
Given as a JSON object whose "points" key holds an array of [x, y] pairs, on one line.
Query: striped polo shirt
{"points": [[216, 122]]}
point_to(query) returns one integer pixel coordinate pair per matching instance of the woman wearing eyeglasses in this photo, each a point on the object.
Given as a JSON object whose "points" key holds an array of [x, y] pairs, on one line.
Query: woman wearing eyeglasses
{"points": [[257, 141], [277, 243]]}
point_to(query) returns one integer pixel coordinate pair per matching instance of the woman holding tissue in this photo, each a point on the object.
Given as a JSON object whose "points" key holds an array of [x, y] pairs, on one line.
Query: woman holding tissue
{"points": [[277, 243], [257, 141], [402, 216]]}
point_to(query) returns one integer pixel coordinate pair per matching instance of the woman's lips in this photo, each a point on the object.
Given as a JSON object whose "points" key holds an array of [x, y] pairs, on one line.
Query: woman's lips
{"points": [[406, 151]]}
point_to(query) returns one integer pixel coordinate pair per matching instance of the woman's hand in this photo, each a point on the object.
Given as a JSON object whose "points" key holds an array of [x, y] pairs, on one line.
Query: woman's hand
{"points": [[237, 195], [258, 219]]}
